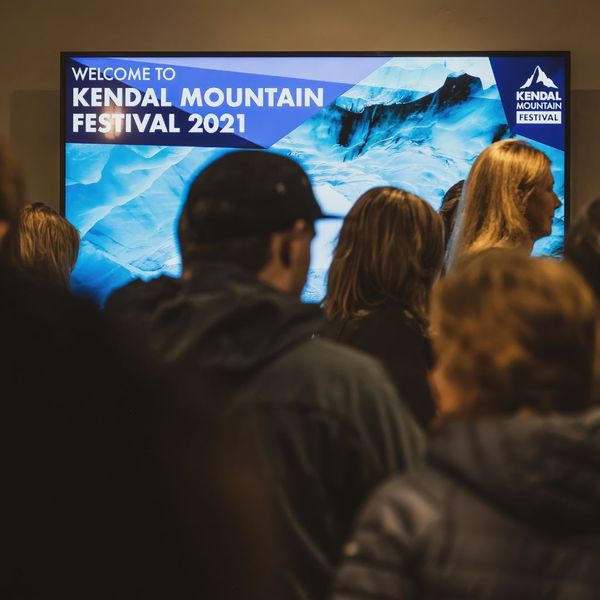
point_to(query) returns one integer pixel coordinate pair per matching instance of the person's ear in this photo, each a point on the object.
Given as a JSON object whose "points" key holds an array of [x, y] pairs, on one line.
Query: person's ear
{"points": [[285, 248], [299, 227]]}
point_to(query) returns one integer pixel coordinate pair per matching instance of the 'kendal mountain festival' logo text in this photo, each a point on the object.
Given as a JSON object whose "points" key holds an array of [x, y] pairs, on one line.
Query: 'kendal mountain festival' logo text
{"points": [[539, 101]]}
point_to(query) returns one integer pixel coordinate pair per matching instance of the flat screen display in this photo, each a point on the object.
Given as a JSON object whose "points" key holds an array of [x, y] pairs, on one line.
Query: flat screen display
{"points": [[138, 128]]}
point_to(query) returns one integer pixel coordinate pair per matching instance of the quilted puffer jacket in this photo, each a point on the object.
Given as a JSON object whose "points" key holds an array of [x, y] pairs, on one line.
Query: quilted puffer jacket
{"points": [[504, 509]]}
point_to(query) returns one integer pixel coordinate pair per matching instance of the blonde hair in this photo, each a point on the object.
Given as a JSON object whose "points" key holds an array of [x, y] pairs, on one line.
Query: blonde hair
{"points": [[390, 248], [491, 213], [511, 331], [47, 245]]}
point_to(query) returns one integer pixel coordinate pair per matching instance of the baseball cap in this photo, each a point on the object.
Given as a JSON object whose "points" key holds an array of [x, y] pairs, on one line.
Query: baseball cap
{"points": [[249, 193]]}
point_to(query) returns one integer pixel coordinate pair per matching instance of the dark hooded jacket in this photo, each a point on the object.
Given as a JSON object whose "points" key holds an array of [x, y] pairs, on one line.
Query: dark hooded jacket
{"points": [[325, 419], [505, 509]]}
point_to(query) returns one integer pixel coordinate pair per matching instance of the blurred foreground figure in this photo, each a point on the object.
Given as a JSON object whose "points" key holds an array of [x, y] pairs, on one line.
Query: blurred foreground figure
{"points": [[72, 520], [47, 245], [389, 253], [508, 504], [97, 477], [324, 419]]}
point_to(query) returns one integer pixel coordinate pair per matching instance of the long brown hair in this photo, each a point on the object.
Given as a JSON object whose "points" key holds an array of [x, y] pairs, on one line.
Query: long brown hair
{"points": [[47, 245], [390, 249], [491, 213]]}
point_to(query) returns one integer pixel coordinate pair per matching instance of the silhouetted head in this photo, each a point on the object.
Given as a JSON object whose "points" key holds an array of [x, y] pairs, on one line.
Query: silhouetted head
{"points": [[46, 245], [512, 332], [255, 209], [448, 207]]}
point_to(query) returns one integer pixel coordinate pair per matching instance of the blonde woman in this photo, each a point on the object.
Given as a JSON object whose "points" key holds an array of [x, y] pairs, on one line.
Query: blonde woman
{"points": [[508, 502], [389, 253], [47, 245], [508, 201]]}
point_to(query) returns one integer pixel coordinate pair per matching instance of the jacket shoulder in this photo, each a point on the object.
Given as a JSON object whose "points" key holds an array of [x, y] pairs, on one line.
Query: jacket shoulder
{"points": [[391, 532], [339, 358], [351, 388], [140, 293], [336, 372]]}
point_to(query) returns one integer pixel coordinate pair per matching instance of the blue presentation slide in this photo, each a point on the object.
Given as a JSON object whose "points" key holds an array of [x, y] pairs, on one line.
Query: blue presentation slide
{"points": [[139, 128]]}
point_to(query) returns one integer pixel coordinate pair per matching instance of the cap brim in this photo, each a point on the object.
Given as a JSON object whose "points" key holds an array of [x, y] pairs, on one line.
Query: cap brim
{"points": [[322, 217]]}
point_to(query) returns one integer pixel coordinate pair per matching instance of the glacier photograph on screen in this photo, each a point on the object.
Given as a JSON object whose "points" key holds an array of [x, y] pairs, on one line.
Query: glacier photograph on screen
{"points": [[413, 122]]}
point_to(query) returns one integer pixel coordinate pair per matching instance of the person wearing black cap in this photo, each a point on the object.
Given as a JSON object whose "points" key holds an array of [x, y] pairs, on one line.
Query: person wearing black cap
{"points": [[257, 209], [325, 418]]}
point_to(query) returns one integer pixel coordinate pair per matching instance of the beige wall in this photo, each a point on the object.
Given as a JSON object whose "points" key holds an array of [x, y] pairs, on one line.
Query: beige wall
{"points": [[32, 34]]}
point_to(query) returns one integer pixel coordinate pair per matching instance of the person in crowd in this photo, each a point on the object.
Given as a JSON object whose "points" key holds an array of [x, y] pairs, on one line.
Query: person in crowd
{"points": [[100, 498], [324, 418], [61, 437], [448, 208], [508, 502], [75, 516], [508, 201], [46, 245], [389, 253], [582, 247]]}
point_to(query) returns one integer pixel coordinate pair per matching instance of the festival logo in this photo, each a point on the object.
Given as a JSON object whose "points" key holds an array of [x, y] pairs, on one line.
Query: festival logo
{"points": [[539, 101]]}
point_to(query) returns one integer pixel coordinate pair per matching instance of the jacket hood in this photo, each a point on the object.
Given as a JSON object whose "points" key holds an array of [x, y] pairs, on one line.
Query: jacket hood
{"points": [[224, 320], [545, 470]]}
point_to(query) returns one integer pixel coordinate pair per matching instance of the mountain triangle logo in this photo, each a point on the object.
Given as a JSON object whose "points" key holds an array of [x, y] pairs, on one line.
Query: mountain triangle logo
{"points": [[538, 76]]}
